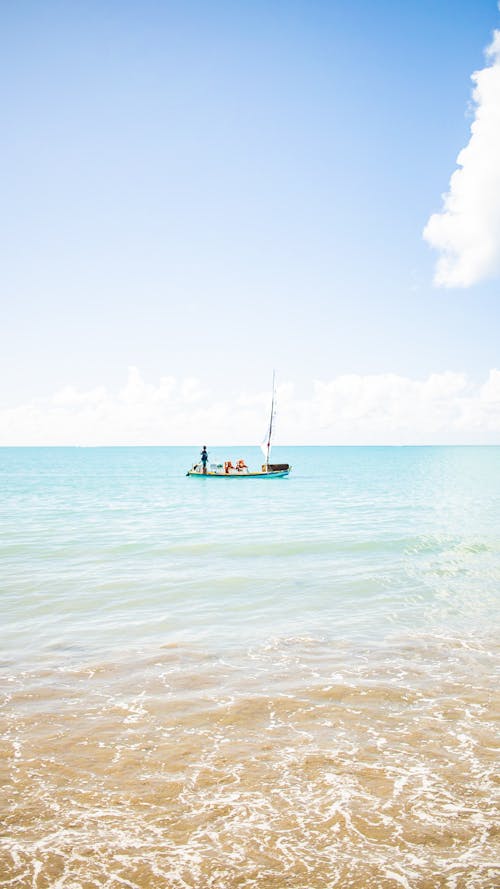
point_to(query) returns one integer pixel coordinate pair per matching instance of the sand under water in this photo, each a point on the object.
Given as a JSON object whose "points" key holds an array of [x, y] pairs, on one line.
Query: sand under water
{"points": [[287, 684]]}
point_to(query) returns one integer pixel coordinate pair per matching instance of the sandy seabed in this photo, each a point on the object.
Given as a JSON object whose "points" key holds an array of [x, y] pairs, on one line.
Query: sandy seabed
{"points": [[280, 768]]}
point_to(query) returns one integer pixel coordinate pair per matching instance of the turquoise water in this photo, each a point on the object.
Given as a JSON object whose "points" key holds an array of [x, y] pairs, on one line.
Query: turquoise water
{"points": [[249, 683], [114, 548]]}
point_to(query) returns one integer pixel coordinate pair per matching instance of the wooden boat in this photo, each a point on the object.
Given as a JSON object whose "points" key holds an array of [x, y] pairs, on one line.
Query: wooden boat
{"points": [[217, 470], [227, 470]]}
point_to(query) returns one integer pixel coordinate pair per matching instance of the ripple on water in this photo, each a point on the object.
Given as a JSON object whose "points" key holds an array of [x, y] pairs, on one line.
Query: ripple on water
{"points": [[293, 764], [272, 685]]}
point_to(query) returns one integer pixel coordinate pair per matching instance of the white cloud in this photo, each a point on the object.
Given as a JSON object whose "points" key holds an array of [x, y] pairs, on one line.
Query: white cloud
{"points": [[467, 230], [69, 397], [350, 409]]}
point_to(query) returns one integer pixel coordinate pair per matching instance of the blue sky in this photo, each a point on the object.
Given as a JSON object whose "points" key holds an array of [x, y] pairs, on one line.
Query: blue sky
{"points": [[212, 190]]}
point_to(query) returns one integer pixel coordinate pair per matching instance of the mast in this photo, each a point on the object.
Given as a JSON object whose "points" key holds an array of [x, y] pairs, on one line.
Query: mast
{"points": [[271, 422]]}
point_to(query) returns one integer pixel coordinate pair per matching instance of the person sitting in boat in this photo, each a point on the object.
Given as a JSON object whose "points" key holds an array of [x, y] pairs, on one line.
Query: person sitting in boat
{"points": [[228, 466], [241, 466]]}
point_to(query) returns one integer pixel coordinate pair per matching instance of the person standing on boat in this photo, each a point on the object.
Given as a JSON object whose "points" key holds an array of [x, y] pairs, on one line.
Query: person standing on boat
{"points": [[204, 459]]}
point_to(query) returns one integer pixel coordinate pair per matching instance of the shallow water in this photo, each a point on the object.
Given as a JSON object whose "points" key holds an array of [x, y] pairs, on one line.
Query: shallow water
{"points": [[286, 683]]}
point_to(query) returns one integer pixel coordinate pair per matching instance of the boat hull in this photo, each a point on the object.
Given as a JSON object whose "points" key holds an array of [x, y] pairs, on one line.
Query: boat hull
{"points": [[281, 474]]}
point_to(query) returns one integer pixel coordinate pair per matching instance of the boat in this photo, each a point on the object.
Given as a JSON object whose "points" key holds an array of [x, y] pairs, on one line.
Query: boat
{"points": [[227, 470], [217, 470]]}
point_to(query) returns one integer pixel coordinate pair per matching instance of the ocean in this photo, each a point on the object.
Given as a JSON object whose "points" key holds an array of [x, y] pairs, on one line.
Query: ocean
{"points": [[225, 684]]}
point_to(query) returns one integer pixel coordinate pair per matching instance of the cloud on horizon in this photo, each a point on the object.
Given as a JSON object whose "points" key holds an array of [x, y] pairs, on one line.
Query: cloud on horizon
{"points": [[445, 408], [467, 230]]}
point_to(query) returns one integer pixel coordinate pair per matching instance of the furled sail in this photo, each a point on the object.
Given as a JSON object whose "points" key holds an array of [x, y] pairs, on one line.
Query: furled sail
{"points": [[266, 444]]}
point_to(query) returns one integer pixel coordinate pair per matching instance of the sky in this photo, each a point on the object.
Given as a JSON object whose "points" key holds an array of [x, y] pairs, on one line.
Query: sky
{"points": [[193, 194]]}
